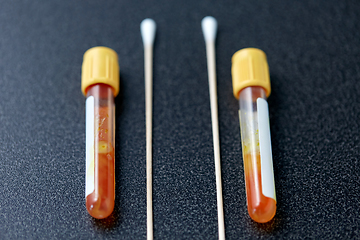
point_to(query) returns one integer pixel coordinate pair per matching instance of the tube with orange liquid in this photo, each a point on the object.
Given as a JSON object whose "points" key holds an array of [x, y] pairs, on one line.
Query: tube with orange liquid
{"points": [[100, 84], [251, 85]]}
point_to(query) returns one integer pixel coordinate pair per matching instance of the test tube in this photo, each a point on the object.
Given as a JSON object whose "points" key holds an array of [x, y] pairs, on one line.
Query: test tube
{"points": [[100, 85], [251, 85]]}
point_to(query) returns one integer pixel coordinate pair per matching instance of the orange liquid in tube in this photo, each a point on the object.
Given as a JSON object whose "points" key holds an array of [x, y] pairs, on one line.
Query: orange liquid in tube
{"points": [[261, 208], [100, 202]]}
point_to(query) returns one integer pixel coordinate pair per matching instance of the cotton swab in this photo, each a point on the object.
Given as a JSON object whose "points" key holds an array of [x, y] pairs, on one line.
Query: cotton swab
{"points": [[148, 29], [209, 28]]}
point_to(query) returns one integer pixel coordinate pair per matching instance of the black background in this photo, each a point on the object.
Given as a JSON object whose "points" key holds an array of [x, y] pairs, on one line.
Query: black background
{"points": [[313, 51]]}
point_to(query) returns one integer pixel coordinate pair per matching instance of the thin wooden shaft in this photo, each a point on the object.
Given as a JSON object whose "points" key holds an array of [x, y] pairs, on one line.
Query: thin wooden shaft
{"points": [[210, 53], [148, 107]]}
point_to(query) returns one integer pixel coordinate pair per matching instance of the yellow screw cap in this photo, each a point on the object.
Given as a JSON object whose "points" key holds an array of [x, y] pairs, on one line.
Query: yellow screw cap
{"points": [[250, 68], [100, 65]]}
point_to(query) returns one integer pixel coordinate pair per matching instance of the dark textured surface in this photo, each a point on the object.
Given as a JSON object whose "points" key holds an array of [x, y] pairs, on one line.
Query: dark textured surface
{"points": [[313, 50]]}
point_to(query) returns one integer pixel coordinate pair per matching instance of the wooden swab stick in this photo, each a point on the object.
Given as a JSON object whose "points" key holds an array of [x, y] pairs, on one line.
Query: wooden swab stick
{"points": [[148, 29], [209, 28]]}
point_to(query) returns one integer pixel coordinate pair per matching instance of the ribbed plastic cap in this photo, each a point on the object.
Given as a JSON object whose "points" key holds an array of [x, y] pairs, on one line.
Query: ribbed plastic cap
{"points": [[100, 65], [250, 68]]}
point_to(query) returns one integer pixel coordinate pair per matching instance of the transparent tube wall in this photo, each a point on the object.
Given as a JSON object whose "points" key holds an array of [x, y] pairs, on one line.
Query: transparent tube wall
{"points": [[100, 144], [261, 208]]}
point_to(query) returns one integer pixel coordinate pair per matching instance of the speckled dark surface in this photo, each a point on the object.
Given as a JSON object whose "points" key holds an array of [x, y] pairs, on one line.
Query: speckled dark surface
{"points": [[313, 50]]}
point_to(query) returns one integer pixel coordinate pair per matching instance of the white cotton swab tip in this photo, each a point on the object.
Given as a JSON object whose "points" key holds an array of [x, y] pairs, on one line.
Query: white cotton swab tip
{"points": [[148, 29], [209, 28]]}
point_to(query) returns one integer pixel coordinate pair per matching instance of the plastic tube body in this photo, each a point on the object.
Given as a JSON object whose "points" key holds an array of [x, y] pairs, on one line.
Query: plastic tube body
{"points": [[100, 144], [257, 156]]}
